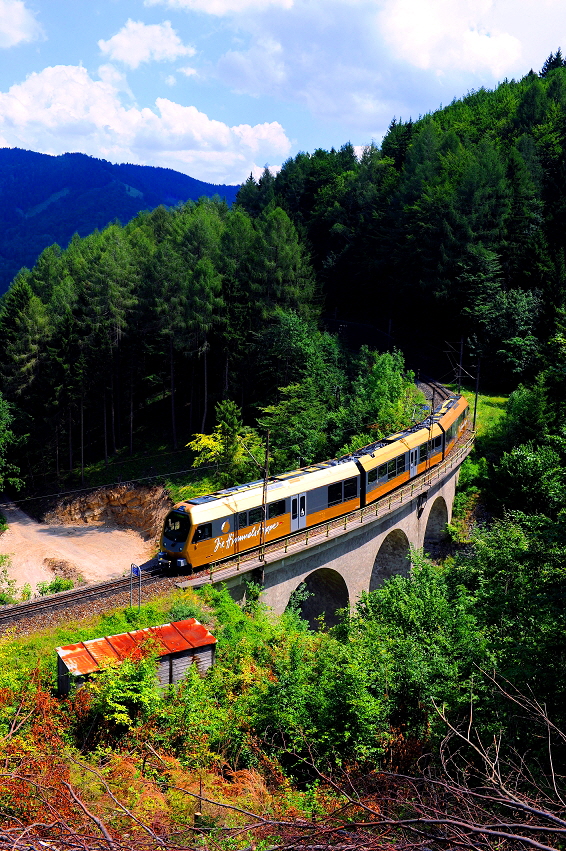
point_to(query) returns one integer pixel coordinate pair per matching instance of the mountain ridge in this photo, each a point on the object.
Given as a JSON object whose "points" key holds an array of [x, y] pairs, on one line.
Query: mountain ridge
{"points": [[45, 199]]}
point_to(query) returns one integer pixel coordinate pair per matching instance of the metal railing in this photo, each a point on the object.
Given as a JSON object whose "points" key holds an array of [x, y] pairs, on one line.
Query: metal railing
{"points": [[381, 507]]}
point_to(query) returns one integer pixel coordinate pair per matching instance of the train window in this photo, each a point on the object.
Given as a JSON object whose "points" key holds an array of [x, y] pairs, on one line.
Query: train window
{"points": [[423, 452], [177, 527], [334, 494], [392, 468], [438, 442], [255, 515], [242, 519], [382, 471], [372, 476], [203, 532], [350, 488], [400, 464], [276, 509]]}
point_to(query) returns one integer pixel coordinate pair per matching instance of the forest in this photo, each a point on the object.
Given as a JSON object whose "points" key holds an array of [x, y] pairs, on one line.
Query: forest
{"points": [[433, 716], [46, 199], [451, 231]]}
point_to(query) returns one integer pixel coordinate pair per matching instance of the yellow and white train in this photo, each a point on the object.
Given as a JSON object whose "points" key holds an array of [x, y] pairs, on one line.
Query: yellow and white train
{"points": [[220, 525]]}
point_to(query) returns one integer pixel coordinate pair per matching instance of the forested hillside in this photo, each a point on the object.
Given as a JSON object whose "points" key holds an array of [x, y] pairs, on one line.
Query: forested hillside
{"points": [[452, 230], [127, 339], [46, 199], [454, 227], [433, 715]]}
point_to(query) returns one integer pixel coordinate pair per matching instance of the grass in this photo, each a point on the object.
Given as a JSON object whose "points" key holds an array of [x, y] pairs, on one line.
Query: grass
{"points": [[3, 524], [199, 486], [37, 650], [473, 472], [489, 412]]}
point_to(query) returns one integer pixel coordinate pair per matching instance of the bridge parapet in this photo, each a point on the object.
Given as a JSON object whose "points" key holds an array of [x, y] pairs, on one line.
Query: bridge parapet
{"points": [[305, 540]]}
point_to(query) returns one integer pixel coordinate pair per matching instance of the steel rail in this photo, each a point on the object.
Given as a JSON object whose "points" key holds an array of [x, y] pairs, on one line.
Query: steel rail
{"points": [[64, 599]]}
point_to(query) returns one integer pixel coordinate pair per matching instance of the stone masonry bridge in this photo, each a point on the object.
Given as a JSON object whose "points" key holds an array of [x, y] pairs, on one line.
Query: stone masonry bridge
{"points": [[355, 553]]}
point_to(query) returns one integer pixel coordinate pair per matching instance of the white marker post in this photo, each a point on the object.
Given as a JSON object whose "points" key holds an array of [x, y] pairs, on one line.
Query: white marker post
{"points": [[135, 571]]}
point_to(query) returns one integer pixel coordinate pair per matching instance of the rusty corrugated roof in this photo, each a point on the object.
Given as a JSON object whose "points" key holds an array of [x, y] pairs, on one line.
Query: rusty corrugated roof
{"points": [[88, 656]]}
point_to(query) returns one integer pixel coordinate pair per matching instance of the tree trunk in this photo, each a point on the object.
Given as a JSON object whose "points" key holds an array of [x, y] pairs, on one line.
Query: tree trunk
{"points": [[191, 405], [70, 440], [172, 366], [205, 411], [131, 417], [112, 413], [105, 429], [82, 443]]}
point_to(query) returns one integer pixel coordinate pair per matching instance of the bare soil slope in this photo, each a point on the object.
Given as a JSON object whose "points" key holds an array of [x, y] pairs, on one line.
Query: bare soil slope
{"points": [[97, 551]]}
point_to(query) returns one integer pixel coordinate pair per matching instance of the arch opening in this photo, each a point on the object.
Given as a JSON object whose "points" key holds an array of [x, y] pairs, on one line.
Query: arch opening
{"points": [[325, 591], [392, 559], [435, 530]]}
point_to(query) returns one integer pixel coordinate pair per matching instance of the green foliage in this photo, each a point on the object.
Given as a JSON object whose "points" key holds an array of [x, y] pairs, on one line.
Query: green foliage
{"points": [[232, 447], [334, 398], [184, 609], [530, 478], [3, 523], [9, 592], [421, 640], [53, 587], [8, 472], [126, 693], [7, 585], [515, 574], [472, 479]]}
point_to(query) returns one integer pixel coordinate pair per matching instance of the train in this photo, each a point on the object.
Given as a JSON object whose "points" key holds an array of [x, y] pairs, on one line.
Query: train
{"points": [[220, 525]]}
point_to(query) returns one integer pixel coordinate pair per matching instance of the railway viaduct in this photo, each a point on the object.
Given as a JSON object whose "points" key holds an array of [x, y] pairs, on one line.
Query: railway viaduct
{"points": [[339, 561]]}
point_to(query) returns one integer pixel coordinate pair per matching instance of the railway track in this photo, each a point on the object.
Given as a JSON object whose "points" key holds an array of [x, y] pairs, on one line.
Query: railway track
{"points": [[69, 599], [433, 390]]}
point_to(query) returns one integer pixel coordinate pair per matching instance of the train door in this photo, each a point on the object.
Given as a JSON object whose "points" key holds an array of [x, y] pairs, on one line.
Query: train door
{"points": [[298, 512], [413, 462]]}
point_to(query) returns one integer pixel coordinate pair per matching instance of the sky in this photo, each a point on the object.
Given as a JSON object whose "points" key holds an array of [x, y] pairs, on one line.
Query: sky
{"points": [[218, 89]]}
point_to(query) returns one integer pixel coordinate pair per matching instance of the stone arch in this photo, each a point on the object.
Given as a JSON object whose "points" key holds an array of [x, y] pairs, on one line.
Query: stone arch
{"points": [[328, 593], [435, 530], [393, 558]]}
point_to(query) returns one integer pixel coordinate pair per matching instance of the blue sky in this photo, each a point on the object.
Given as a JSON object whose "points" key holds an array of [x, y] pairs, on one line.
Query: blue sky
{"points": [[220, 88]]}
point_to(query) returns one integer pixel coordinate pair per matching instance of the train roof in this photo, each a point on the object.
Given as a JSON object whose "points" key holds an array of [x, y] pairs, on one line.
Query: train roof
{"points": [[250, 494]]}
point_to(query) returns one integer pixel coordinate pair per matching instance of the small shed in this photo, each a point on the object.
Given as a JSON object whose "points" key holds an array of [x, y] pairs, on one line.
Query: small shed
{"points": [[178, 644]]}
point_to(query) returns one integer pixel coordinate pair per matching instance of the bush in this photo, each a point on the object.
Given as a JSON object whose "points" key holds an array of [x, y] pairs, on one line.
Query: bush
{"points": [[182, 610], [55, 586]]}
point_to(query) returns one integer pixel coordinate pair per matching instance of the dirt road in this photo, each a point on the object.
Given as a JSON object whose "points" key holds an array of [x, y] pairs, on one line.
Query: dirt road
{"points": [[97, 551]]}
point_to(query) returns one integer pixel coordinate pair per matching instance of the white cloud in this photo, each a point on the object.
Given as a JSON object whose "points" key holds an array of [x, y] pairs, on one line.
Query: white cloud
{"points": [[258, 170], [357, 63], [187, 71], [137, 42], [442, 34], [17, 24], [63, 109], [115, 79], [220, 7]]}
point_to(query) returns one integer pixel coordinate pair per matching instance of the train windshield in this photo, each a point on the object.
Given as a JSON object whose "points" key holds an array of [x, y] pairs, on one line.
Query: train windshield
{"points": [[177, 527]]}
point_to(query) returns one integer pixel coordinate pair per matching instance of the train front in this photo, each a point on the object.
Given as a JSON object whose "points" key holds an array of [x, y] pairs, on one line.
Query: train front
{"points": [[174, 538]]}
